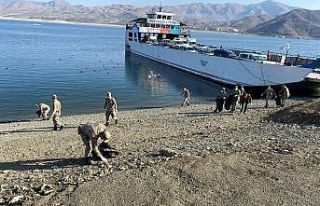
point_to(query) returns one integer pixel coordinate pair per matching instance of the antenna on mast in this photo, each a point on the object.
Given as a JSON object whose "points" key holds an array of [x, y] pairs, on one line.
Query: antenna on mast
{"points": [[160, 7]]}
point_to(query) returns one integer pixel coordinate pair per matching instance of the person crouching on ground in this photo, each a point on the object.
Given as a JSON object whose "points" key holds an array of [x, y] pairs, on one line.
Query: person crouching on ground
{"points": [[284, 94], [185, 94], [43, 111], [90, 133], [245, 99], [56, 113], [111, 108], [220, 100], [270, 94]]}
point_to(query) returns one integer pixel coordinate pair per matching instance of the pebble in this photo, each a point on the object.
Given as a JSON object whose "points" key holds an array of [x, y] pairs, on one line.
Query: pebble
{"points": [[2, 201], [16, 200], [167, 152]]}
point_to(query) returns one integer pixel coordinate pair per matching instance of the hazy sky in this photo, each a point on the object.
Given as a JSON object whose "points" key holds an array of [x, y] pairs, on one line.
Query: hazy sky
{"points": [[310, 4]]}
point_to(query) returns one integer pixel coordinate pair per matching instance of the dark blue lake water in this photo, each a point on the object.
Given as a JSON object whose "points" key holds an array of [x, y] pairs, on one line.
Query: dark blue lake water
{"points": [[81, 63]]}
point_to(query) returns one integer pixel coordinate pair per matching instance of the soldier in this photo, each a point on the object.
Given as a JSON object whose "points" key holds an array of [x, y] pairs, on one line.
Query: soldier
{"points": [[235, 98], [111, 108], [56, 113], [185, 94], [270, 94], [284, 94], [90, 133], [245, 99], [43, 111], [220, 100]]}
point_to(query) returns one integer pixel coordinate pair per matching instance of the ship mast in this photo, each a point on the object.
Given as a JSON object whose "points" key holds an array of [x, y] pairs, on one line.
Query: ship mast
{"points": [[160, 7]]}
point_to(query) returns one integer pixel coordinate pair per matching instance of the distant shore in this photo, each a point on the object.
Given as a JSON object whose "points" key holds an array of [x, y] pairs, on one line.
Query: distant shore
{"points": [[60, 22]]}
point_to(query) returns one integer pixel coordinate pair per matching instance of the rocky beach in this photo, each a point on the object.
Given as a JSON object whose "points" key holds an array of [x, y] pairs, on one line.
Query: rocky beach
{"points": [[169, 156]]}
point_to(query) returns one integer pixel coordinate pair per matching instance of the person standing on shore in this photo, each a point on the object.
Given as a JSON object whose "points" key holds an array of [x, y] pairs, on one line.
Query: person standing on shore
{"points": [[284, 94], [56, 113], [90, 133], [245, 99], [220, 100], [43, 111], [185, 94], [270, 94], [111, 108], [235, 98]]}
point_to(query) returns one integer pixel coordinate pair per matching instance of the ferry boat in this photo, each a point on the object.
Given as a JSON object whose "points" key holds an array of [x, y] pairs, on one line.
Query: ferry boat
{"points": [[162, 38]]}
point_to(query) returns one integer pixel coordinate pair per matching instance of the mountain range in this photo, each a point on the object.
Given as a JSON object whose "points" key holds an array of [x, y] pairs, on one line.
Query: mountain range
{"points": [[266, 18], [120, 14]]}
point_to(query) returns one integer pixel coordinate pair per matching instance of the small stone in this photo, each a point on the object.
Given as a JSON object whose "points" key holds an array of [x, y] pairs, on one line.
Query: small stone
{"points": [[46, 189], [167, 152], [2, 201], [16, 200]]}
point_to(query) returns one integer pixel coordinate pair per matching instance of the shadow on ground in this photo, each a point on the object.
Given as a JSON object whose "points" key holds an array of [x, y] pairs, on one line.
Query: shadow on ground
{"points": [[39, 129], [42, 164]]}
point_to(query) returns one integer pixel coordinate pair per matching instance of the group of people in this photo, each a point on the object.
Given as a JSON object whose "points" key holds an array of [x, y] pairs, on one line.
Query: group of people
{"points": [[44, 109], [229, 102], [280, 98], [91, 132]]}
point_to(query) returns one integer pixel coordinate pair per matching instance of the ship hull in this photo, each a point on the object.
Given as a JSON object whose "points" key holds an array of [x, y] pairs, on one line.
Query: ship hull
{"points": [[229, 72]]}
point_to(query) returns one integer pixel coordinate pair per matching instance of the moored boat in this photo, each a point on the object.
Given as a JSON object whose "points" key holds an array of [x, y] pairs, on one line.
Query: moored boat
{"points": [[161, 38]]}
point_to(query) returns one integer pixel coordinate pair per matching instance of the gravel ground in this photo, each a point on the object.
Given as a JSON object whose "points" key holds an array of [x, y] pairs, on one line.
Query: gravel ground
{"points": [[168, 156]]}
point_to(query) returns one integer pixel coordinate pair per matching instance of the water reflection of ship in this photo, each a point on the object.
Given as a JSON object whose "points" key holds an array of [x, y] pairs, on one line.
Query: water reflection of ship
{"points": [[146, 76], [138, 69]]}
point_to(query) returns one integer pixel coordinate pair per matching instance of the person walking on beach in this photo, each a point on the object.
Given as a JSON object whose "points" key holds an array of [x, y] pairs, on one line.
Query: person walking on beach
{"points": [[43, 111], [284, 94], [56, 113], [270, 94], [111, 108], [220, 100], [245, 99], [235, 98], [185, 94], [90, 133]]}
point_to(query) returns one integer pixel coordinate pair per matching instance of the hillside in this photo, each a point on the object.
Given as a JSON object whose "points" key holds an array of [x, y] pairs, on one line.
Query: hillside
{"points": [[193, 14], [297, 23], [251, 22]]}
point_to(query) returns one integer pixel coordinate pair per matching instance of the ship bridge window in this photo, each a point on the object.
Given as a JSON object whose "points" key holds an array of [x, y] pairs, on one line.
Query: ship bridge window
{"points": [[159, 17], [130, 34], [169, 17], [164, 17]]}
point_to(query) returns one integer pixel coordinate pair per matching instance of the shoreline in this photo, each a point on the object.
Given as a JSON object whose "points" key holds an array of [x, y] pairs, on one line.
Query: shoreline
{"points": [[34, 118], [61, 22]]}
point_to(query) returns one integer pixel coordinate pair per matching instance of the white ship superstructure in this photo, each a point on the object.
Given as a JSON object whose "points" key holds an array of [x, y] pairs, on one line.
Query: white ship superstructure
{"points": [[161, 38]]}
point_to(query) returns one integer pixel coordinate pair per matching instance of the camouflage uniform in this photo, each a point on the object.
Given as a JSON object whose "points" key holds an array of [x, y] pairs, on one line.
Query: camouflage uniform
{"points": [[111, 108], [270, 94], [186, 97], [43, 110], [90, 133], [235, 98], [284, 94], [56, 113]]}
